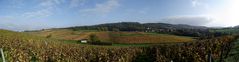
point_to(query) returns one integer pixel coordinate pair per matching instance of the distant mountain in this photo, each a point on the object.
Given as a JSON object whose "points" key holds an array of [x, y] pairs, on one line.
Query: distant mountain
{"points": [[174, 26], [236, 26]]}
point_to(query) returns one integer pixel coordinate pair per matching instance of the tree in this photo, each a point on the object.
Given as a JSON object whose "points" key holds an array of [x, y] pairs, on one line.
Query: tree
{"points": [[93, 38], [115, 29]]}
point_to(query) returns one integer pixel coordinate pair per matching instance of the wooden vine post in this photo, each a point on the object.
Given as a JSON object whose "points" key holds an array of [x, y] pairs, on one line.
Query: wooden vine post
{"points": [[3, 58]]}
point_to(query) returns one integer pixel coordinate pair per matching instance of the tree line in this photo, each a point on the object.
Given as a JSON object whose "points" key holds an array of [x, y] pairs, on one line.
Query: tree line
{"points": [[182, 30]]}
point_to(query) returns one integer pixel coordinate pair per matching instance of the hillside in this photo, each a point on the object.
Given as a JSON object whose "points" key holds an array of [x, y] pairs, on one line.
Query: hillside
{"points": [[52, 45], [136, 26], [178, 29], [25, 47], [114, 37]]}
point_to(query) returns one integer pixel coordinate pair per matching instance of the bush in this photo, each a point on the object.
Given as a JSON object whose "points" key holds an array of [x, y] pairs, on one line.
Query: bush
{"points": [[100, 43], [93, 38]]}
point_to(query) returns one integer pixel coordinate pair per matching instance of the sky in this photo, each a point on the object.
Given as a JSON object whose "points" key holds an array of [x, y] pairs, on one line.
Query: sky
{"points": [[21, 15]]}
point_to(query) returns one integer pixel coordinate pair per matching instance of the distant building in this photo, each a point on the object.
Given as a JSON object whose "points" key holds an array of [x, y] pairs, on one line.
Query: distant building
{"points": [[83, 40]]}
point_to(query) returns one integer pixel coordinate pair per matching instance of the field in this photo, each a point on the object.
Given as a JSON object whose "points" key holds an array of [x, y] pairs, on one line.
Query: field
{"points": [[141, 37], [115, 37], [226, 30], [26, 47]]}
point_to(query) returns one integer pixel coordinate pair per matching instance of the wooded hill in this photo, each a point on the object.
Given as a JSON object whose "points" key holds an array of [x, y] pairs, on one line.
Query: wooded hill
{"points": [[176, 29]]}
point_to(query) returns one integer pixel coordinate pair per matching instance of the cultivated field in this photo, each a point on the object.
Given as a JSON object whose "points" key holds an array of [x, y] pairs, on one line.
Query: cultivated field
{"points": [[141, 37], [26, 47], [115, 37]]}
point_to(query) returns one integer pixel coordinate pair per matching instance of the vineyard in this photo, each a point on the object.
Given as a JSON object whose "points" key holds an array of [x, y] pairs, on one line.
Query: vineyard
{"points": [[140, 37], [26, 48], [115, 37]]}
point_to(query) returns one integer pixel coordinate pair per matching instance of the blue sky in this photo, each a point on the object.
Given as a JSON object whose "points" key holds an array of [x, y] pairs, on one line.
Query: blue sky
{"points": [[38, 14]]}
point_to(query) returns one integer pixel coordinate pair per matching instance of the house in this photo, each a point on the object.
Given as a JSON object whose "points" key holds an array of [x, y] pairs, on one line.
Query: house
{"points": [[83, 40]]}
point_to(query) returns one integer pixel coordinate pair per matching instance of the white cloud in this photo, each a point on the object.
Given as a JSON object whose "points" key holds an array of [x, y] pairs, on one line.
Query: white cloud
{"points": [[16, 3], [76, 3], [189, 20], [10, 23], [195, 3], [199, 3], [44, 9], [103, 8], [48, 3], [21, 27], [39, 13], [226, 13]]}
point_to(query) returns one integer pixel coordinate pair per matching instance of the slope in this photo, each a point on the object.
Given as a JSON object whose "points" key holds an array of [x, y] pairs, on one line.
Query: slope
{"points": [[114, 37]]}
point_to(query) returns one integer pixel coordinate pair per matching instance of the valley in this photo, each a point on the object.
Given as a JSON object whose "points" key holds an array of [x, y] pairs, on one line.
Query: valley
{"points": [[63, 44]]}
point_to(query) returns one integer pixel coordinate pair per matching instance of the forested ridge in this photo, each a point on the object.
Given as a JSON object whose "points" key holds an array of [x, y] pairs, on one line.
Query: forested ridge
{"points": [[175, 29]]}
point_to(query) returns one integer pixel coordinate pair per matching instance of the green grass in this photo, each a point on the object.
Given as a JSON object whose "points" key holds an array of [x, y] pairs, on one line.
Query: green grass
{"points": [[228, 31], [134, 45], [119, 44], [114, 44], [70, 41]]}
